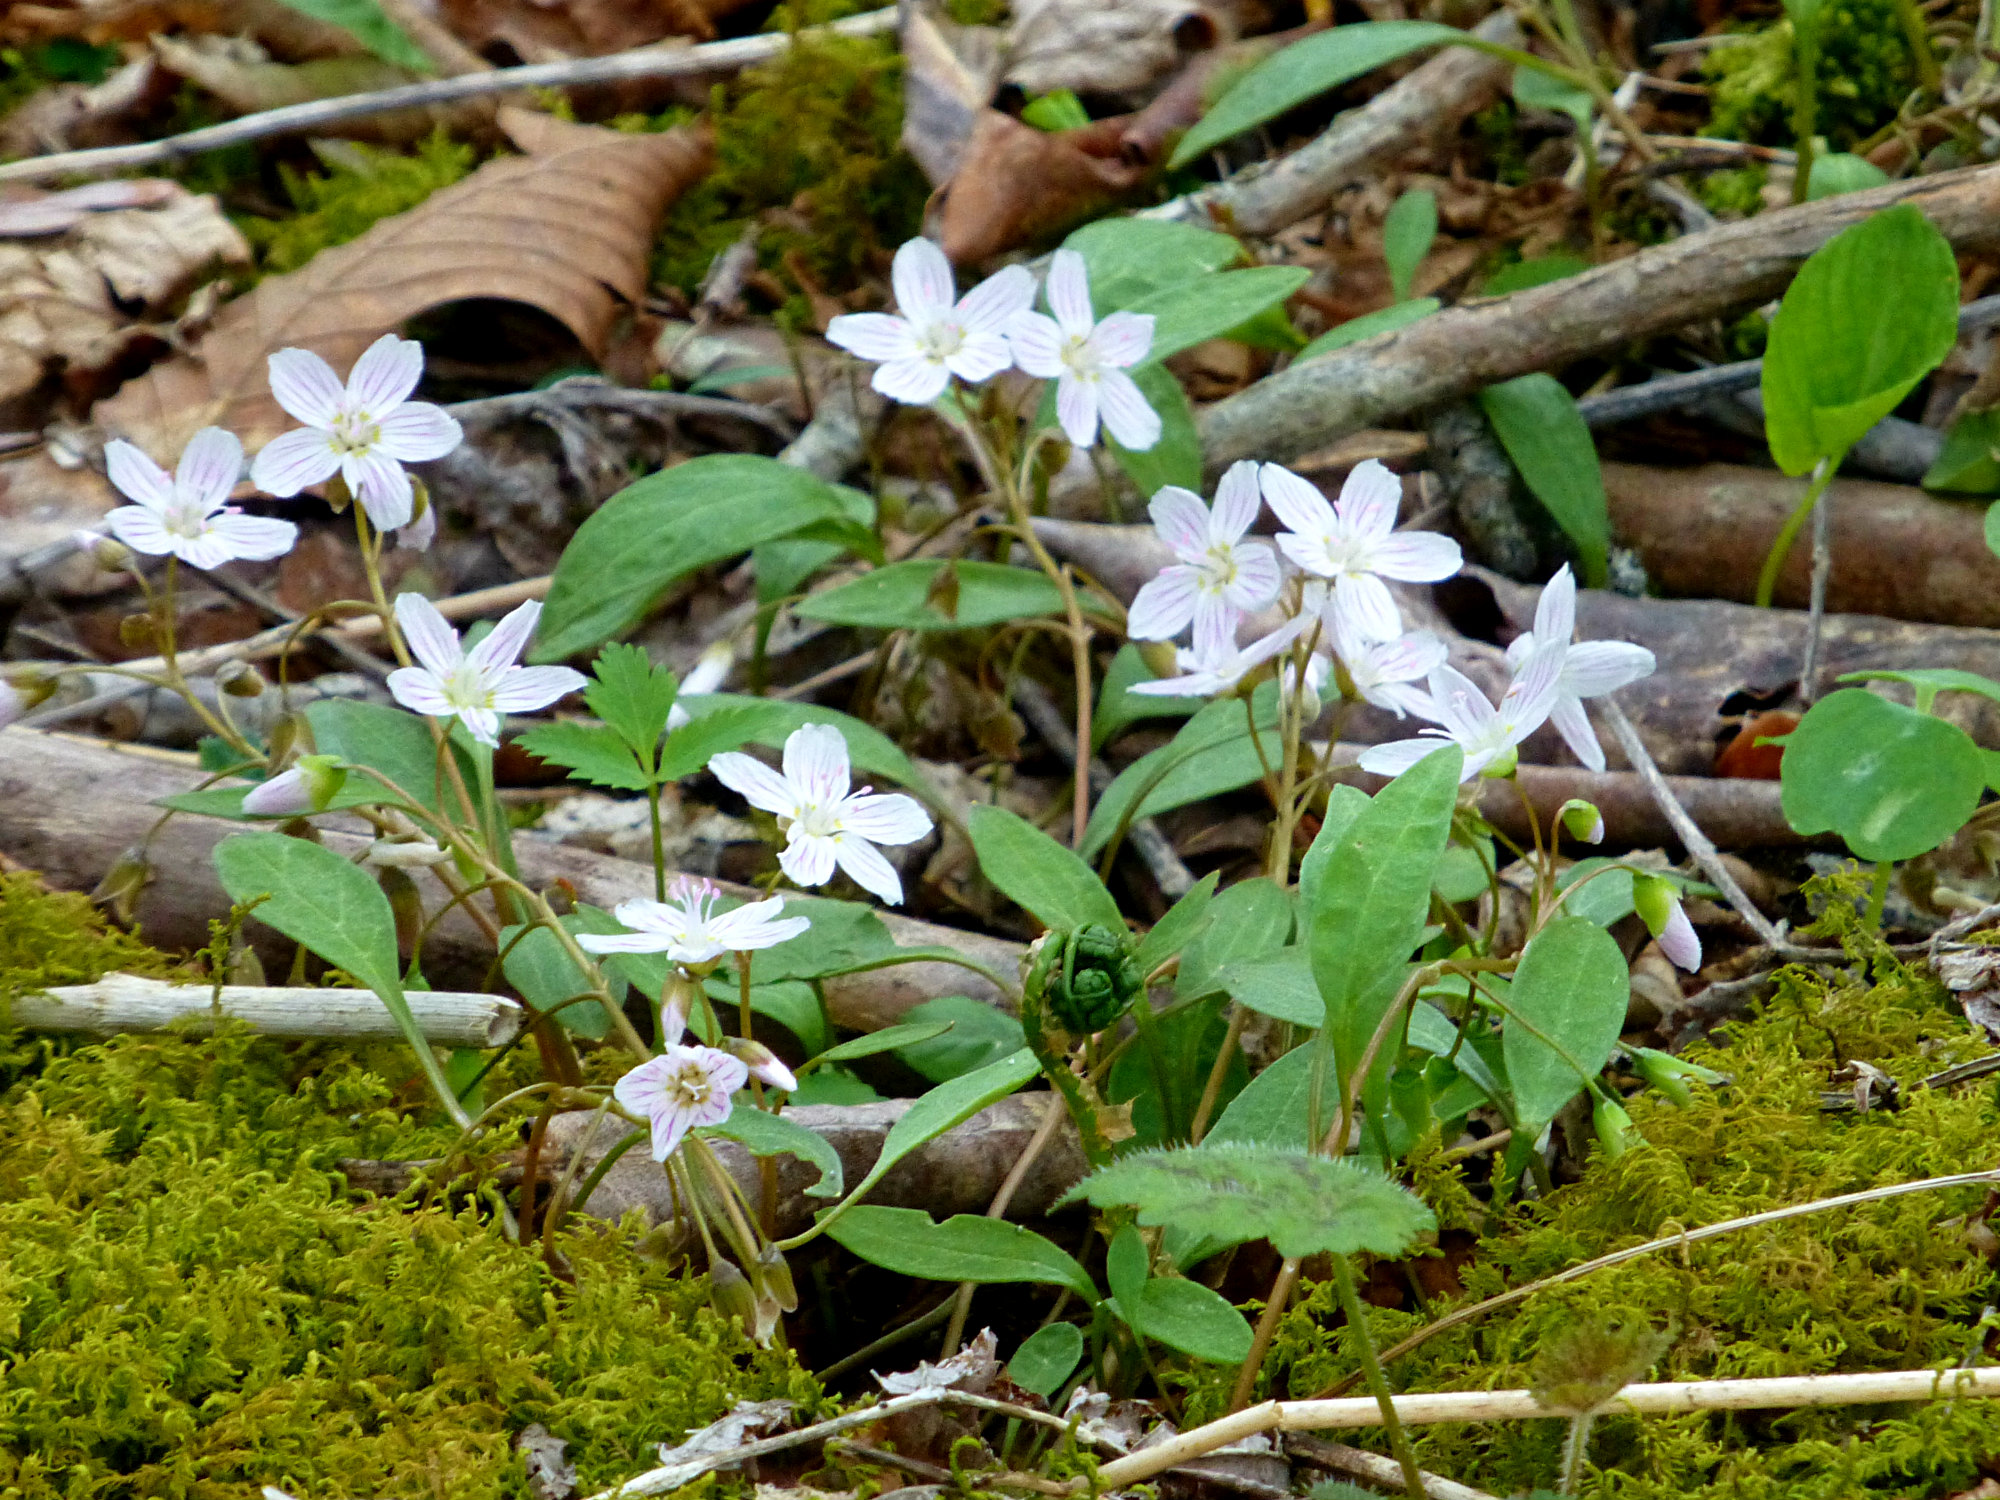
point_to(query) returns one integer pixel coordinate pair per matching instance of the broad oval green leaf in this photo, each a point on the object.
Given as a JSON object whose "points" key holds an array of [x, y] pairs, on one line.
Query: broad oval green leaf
{"points": [[1273, 1106], [932, 594], [1572, 989], [1130, 258], [664, 527], [1048, 881], [965, 1247], [399, 745], [1303, 71], [1187, 1316], [1047, 1357], [1252, 919], [1871, 312], [762, 1133], [979, 1034], [1892, 782], [1280, 985], [1537, 422]]}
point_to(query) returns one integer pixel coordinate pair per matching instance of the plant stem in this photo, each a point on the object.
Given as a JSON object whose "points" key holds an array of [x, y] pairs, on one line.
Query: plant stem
{"points": [[659, 843], [1878, 893], [1575, 1446], [1211, 1091], [1267, 1328], [1378, 1383], [1805, 111], [1767, 581]]}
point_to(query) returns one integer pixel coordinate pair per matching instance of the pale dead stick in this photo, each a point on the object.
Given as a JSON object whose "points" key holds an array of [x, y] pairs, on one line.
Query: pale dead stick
{"points": [[292, 119]]}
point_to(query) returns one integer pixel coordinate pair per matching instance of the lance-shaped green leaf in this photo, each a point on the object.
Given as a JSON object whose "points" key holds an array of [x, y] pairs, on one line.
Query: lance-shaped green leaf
{"points": [[1354, 330], [1565, 1009], [762, 1133], [365, 21], [1302, 1204], [965, 1247], [1538, 423], [1210, 306], [1048, 881], [1213, 753], [932, 594], [317, 898], [1407, 232]]}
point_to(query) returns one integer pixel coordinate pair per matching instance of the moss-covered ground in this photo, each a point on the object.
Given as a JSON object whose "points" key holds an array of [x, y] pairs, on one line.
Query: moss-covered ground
{"points": [[193, 1304]]}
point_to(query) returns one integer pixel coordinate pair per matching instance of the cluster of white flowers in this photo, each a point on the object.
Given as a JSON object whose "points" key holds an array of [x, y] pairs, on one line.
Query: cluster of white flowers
{"points": [[1343, 556], [365, 431], [935, 335]]}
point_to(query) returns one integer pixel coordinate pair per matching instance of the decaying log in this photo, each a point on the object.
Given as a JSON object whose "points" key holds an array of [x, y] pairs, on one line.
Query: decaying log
{"points": [[70, 807], [957, 1173], [125, 1002], [1896, 550], [1462, 349]]}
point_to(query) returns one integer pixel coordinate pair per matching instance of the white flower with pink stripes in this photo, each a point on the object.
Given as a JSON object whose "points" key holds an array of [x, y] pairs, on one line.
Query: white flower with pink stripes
{"points": [[1087, 359], [1490, 736], [187, 514], [364, 431], [1590, 669], [934, 334], [475, 687], [1219, 577], [825, 824], [1354, 542], [689, 930]]}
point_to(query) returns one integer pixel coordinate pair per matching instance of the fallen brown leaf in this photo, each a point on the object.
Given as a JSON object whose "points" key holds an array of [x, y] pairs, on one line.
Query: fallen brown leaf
{"points": [[1095, 47], [545, 31], [1015, 183], [565, 228], [289, 32]]}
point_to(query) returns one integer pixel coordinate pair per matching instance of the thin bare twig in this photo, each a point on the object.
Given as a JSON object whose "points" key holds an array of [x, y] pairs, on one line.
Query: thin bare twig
{"points": [[1822, 570]]}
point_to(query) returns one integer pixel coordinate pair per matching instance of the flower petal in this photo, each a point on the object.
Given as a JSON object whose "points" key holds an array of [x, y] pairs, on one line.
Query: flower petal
{"points": [[1370, 499], [1409, 658], [1238, 498], [1295, 501], [1069, 293], [1679, 942], [1127, 415], [755, 782], [1258, 576], [417, 690], [289, 463], [429, 636], [885, 817], [922, 280], [141, 529], [624, 942], [385, 375], [1555, 611], [305, 386], [917, 381], [417, 431], [1181, 520], [1396, 757], [210, 465], [507, 640], [1531, 695], [1123, 339], [1574, 725], [990, 306], [981, 357], [1037, 344], [757, 925], [1458, 703], [865, 864], [1076, 409], [1215, 640], [382, 487], [1594, 668], [136, 476], [1417, 557], [808, 859], [254, 538], [875, 336], [1164, 607], [522, 690], [483, 724], [816, 764], [1369, 609], [205, 551]]}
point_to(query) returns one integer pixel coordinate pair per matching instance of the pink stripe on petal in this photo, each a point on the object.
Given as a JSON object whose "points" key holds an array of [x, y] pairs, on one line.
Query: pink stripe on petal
{"points": [[1181, 520], [988, 307], [1555, 611], [417, 431], [755, 782], [917, 381], [209, 468], [1069, 293], [205, 551], [140, 529], [1164, 607], [816, 764], [385, 375], [981, 357], [505, 642], [255, 538], [1076, 409], [885, 817], [1396, 757], [868, 869], [807, 860], [417, 690], [1238, 498], [1295, 501], [1258, 576], [483, 724], [429, 636], [1370, 610], [136, 476], [525, 689], [382, 487], [1573, 724], [1370, 499], [922, 280], [876, 336], [1594, 668], [1417, 557], [1037, 344], [289, 463], [306, 387], [1123, 339]]}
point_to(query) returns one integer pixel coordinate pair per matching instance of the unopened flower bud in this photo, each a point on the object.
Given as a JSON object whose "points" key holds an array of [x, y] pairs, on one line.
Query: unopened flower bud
{"points": [[1159, 657], [421, 529], [1584, 822], [306, 788], [118, 892], [1658, 902], [774, 1273], [338, 495], [763, 1064], [110, 554], [1670, 1074], [1503, 764], [405, 853], [729, 1291], [1615, 1130], [20, 692], [239, 679], [136, 631]]}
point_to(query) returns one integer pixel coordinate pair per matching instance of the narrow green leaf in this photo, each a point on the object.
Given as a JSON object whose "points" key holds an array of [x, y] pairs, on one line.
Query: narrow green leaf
{"points": [[1354, 330], [1572, 987], [1212, 754], [1407, 233], [1535, 89], [364, 21], [1118, 707], [1280, 985], [980, 1034], [888, 1039], [1538, 270], [1127, 1265], [1183, 922], [931, 594], [1273, 1107], [965, 1247], [1252, 919], [1048, 881], [762, 1133], [1538, 423], [664, 527], [1207, 308]]}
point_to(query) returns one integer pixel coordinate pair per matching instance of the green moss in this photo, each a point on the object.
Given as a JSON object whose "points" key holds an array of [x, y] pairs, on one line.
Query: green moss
{"points": [[810, 141], [365, 185], [1865, 71], [1891, 1285], [192, 1304]]}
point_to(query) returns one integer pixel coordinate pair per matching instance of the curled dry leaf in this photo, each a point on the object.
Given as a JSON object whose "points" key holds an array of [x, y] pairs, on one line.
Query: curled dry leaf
{"points": [[949, 75], [565, 228], [74, 305], [1015, 183], [28, 213], [1121, 47]]}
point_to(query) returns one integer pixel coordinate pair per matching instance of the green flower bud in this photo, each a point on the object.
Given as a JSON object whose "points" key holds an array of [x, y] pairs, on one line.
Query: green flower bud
{"points": [[1615, 1130], [1087, 977], [1583, 821]]}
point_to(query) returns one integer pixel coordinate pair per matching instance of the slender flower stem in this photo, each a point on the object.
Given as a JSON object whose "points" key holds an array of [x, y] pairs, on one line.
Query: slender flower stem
{"points": [[1767, 580], [1267, 1329], [1378, 1384]]}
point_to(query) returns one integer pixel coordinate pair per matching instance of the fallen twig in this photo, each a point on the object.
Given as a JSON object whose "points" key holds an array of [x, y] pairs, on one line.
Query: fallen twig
{"points": [[1463, 349], [294, 119], [126, 1002], [1358, 1463]]}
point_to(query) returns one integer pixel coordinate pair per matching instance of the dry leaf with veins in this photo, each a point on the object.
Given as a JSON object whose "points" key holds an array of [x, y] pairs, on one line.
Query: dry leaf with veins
{"points": [[566, 228]]}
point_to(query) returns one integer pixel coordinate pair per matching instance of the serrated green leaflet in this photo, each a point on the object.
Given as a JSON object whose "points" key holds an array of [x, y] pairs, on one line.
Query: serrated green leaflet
{"points": [[1303, 1204], [589, 752], [631, 695]]}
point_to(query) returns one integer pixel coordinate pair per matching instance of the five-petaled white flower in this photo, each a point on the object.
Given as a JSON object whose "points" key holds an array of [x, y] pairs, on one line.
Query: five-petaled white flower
{"points": [[1087, 359], [682, 1089], [933, 338], [1385, 673], [1590, 670], [187, 513], [1354, 542], [1489, 736], [1220, 576], [365, 431], [479, 685], [687, 928], [1217, 666], [826, 825]]}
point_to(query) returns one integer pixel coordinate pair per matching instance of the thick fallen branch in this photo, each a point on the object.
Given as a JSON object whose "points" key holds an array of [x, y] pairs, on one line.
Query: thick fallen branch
{"points": [[70, 808], [1463, 349], [125, 1002], [295, 119]]}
